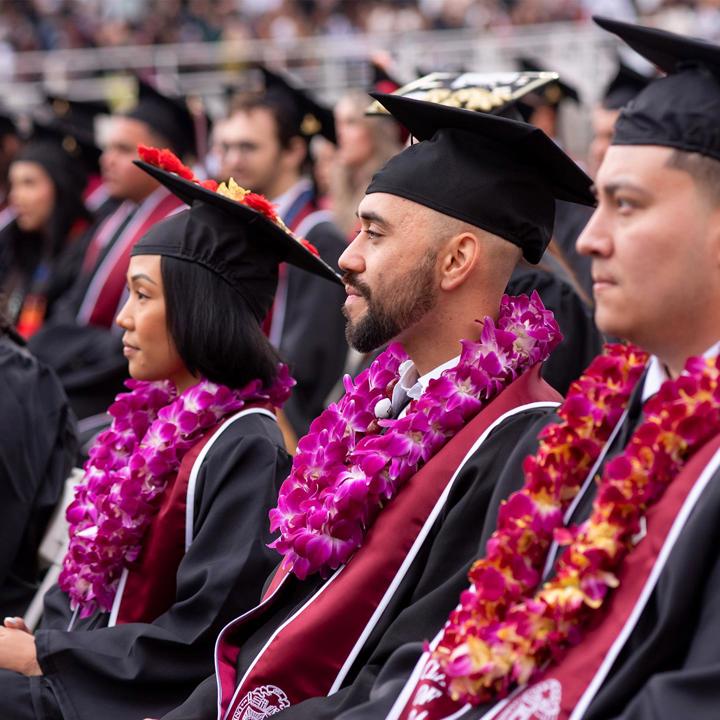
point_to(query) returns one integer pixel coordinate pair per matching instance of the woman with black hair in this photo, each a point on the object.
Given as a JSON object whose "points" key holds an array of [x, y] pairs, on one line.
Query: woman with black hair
{"points": [[168, 529], [41, 249]]}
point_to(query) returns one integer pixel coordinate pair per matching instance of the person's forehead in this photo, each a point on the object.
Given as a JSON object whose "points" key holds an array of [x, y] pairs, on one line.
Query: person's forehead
{"points": [[122, 130], [26, 167], [145, 264], [634, 163], [392, 208], [255, 122]]}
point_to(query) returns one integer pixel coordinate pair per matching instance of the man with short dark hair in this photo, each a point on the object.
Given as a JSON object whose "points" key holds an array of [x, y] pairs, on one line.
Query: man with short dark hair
{"points": [[263, 146], [611, 609]]}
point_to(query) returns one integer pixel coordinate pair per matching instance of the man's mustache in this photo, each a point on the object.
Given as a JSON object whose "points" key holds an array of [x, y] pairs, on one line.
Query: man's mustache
{"points": [[354, 281]]}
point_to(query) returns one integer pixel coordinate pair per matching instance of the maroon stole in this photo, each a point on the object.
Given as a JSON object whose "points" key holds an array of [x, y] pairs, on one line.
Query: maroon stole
{"points": [[336, 621], [149, 587], [102, 298], [566, 690]]}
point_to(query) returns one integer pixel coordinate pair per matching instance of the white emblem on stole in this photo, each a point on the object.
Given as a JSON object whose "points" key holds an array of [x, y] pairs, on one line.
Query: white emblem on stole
{"points": [[540, 702], [261, 703]]}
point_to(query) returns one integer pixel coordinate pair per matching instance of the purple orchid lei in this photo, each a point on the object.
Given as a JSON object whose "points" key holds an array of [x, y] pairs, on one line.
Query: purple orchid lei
{"points": [[345, 469], [128, 469]]}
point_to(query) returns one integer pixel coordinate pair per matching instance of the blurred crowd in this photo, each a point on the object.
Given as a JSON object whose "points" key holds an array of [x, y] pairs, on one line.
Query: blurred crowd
{"points": [[54, 24]]}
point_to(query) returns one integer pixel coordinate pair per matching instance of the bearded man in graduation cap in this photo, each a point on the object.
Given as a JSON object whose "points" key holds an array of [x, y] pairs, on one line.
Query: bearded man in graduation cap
{"points": [[595, 594], [387, 486]]}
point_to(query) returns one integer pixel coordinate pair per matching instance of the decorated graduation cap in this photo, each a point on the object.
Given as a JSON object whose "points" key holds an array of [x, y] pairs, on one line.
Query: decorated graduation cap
{"points": [[233, 232], [494, 93], [623, 86], [492, 172], [170, 117], [680, 110], [309, 116]]}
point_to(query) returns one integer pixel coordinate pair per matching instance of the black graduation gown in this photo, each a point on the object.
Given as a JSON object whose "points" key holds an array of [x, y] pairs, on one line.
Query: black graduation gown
{"points": [[669, 667], [20, 257], [139, 670], [38, 447], [313, 336], [445, 554], [582, 340]]}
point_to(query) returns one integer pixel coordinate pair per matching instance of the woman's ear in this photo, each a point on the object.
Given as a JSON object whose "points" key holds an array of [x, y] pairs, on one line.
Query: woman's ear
{"points": [[459, 258]]}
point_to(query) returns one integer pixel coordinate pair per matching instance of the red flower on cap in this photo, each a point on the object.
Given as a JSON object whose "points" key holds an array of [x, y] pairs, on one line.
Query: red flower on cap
{"points": [[166, 160], [261, 204]]}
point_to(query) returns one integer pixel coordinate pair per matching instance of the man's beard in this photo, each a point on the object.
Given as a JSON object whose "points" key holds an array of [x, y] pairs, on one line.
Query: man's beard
{"points": [[408, 300]]}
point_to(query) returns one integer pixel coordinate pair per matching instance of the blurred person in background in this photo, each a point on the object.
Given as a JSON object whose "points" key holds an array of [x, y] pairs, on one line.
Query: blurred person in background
{"points": [[71, 124], [544, 110], [364, 145], [623, 87], [263, 145], [79, 340], [10, 144], [41, 249], [38, 447]]}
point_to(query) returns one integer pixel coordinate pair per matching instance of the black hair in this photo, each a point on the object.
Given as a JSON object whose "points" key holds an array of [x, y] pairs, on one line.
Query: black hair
{"points": [[214, 330]]}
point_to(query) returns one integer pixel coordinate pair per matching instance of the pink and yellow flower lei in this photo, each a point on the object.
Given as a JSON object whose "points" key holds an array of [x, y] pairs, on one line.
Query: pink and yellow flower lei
{"points": [[350, 463], [502, 635], [128, 469]]}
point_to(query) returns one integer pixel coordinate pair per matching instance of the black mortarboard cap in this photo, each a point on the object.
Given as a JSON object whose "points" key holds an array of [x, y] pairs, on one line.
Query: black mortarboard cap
{"points": [[71, 123], [168, 116], [237, 243], [623, 87], [310, 117], [680, 110], [495, 173]]}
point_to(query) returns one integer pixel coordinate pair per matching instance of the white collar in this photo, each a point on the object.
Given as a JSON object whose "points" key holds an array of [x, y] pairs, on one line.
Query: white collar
{"points": [[411, 386], [284, 202], [657, 374]]}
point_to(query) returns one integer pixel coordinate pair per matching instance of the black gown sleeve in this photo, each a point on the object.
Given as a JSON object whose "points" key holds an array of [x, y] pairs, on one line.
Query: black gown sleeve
{"points": [[38, 446], [201, 705], [145, 669], [313, 338]]}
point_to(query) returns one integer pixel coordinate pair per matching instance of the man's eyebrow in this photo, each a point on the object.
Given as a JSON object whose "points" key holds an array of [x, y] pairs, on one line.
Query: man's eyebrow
{"points": [[142, 276], [612, 188], [371, 216]]}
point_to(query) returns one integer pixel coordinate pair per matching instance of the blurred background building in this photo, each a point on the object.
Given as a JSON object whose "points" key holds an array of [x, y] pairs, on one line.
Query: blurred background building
{"points": [[202, 47]]}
